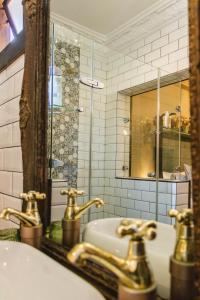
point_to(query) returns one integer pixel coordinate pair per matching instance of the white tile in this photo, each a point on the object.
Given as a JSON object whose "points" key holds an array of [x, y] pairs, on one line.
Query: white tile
{"points": [[57, 212], [182, 199], [9, 112], [178, 55], [152, 55], [149, 196], [160, 42], [6, 182], [16, 66], [17, 184], [6, 136], [182, 187], [9, 201], [1, 160], [133, 194], [142, 205], [13, 159], [148, 216], [131, 213], [16, 134], [164, 198], [169, 48], [142, 185], [164, 219], [58, 199]]}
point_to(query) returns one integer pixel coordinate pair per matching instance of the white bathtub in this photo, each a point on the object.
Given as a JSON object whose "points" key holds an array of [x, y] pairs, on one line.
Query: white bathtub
{"points": [[102, 233]]}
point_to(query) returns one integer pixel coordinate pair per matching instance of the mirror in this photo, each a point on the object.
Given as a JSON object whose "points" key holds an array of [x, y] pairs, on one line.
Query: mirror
{"points": [[119, 111], [120, 125]]}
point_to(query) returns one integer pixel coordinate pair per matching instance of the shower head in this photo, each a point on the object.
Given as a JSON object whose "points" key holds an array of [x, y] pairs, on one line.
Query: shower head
{"points": [[96, 84]]}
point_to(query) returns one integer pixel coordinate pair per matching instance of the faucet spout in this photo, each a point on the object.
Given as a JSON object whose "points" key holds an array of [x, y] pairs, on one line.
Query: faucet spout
{"points": [[82, 209], [130, 273], [26, 219], [116, 265]]}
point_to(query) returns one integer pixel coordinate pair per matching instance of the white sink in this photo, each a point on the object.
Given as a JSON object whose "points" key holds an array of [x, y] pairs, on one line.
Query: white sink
{"points": [[28, 274], [102, 233]]}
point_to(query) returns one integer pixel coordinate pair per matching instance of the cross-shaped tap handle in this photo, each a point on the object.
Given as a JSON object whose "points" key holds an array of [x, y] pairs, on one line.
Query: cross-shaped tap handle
{"points": [[32, 196], [185, 216], [137, 229]]}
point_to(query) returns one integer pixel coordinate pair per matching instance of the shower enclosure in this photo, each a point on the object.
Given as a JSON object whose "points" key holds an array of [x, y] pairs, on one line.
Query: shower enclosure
{"points": [[112, 118]]}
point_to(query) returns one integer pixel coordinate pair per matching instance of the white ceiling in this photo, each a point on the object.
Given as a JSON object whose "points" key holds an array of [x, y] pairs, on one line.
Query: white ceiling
{"points": [[102, 16]]}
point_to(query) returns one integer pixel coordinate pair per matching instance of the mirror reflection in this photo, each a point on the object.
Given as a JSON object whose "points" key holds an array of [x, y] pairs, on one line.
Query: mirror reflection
{"points": [[119, 117], [119, 150], [119, 135]]}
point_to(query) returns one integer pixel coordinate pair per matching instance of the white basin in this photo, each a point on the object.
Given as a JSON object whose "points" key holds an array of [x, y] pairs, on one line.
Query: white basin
{"points": [[28, 274], [102, 233]]}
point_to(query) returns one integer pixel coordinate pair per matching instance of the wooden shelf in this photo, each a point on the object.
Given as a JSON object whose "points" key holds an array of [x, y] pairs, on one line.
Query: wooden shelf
{"points": [[174, 134]]}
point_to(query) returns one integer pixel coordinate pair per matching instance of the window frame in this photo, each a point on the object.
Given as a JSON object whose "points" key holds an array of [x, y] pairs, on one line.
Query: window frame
{"points": [[16, 47]]}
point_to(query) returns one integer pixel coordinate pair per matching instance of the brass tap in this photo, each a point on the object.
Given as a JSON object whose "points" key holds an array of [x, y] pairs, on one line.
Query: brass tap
{"points": [[29, 218], [184, 249], [133, 271], [74, 211]]}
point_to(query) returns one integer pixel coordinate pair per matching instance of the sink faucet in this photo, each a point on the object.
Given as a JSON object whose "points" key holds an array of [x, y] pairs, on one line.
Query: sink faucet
{"points": [[29, 218], [183, 260], [30, 222], [73, 213], [135, 277]]}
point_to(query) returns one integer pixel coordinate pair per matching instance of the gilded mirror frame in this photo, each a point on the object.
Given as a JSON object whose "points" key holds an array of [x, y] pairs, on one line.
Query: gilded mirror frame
{"points": [[34, 105]]}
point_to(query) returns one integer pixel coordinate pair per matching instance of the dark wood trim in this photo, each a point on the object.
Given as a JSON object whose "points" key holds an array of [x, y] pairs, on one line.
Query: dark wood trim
{"points": [[12, 51], [34, 101], [194, 44]]}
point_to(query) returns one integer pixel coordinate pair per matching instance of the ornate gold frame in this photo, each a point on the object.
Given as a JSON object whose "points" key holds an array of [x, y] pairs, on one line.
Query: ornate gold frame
{"points": [[33, 104], [194, 47]]}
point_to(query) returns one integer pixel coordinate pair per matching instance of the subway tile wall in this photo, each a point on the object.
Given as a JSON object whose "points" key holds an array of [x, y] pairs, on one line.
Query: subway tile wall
{"points": [[11, 176], [165, 48]]}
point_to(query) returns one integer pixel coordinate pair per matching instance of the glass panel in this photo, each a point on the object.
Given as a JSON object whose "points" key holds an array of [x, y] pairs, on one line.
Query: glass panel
{"points": [[175, 130], [143, 134], [16, 11]]}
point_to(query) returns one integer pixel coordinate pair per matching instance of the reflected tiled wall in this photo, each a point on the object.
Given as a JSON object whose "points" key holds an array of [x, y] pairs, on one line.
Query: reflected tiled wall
{"points": [[11, 176]]}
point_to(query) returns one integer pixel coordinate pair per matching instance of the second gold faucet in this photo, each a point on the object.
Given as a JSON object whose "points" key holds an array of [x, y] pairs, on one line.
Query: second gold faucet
{"points": [[71, 221]]}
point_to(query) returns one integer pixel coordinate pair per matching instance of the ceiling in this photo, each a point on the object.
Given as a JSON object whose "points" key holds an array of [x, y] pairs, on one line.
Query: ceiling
{"points": [[102, 16]]}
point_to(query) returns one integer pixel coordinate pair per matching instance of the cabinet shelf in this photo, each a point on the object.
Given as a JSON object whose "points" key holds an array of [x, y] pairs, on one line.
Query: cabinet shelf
{"points": [[174, 134]]}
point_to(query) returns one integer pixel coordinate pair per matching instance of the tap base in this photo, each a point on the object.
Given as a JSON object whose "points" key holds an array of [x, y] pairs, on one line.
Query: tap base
{"points": [[71, 232], [125, 293], [182, 280], [31, 235]]}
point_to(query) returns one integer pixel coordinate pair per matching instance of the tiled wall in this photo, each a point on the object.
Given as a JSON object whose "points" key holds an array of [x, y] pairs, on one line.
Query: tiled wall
{"points": [[92, 61], [165, 48], [11, 177]]}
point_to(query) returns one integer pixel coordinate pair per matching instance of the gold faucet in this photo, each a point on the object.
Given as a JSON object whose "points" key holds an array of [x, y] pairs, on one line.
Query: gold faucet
{"points": [[182, 262], [30, 222], [29, 218], [135, 276], [73, 213], [184, 249]]}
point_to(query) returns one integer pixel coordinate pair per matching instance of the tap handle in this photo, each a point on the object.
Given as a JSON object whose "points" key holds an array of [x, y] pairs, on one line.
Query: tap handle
{"points": [[32, 196], [72, 194], [137, 229], [185, 216]]}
